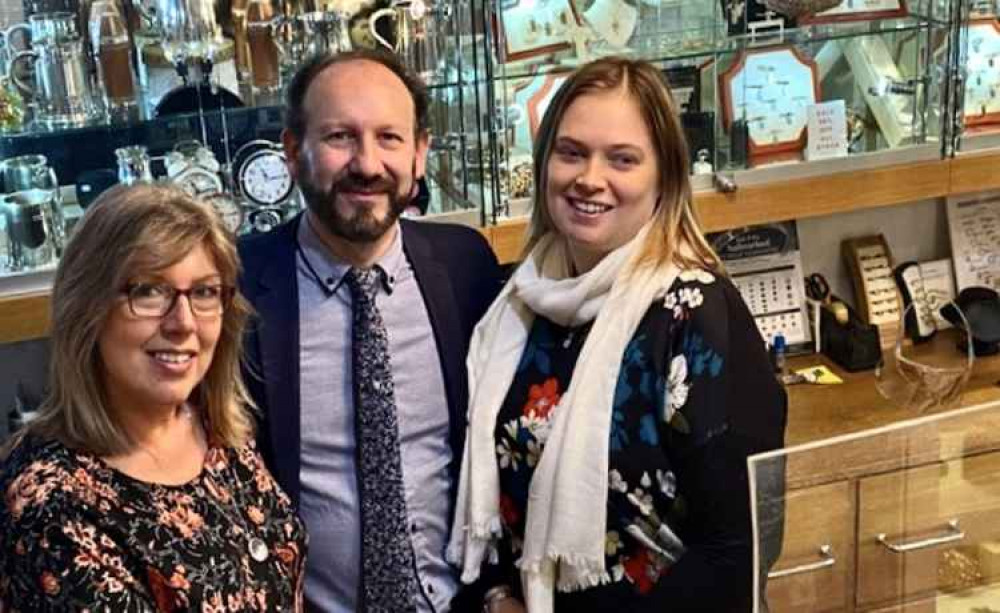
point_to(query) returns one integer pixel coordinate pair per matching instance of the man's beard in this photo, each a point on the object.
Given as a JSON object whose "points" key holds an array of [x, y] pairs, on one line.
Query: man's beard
{"points": [[364, 226]]}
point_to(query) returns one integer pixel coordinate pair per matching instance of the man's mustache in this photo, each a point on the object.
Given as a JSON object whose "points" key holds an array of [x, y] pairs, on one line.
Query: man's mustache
{"points": [[360, 183]]}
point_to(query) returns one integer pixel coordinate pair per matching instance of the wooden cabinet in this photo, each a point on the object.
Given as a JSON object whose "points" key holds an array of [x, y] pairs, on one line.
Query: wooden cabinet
{"points": [[920, 530], [898, 519], [813, 574]]}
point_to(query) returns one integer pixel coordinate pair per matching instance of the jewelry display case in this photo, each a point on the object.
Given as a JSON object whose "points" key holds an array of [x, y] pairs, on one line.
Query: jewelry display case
{"points": [[978, 121], [748, 75], [98, 92]]}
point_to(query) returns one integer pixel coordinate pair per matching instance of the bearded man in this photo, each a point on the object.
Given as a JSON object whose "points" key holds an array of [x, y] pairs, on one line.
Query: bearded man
{"points": [[357, 358]]}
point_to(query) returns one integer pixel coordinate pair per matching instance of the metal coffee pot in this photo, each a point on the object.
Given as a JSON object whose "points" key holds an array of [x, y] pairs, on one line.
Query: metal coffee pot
{"points": [[418, 28], [28, 229], [61, 89]]}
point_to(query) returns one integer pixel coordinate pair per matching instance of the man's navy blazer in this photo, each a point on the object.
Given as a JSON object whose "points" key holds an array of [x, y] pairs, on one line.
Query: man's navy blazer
{"points": [[458, 276]]}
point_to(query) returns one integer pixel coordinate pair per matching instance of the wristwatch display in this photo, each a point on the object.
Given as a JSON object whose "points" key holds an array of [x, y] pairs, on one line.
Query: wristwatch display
{"points": [[982, 82], [770, 90], [261, 173]]}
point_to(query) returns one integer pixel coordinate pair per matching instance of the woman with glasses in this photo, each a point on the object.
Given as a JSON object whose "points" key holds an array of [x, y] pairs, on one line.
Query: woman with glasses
{"points": [[138, 487]]}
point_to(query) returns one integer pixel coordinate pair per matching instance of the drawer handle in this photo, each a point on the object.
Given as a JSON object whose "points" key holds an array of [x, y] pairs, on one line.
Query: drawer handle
{"points": [[953, 533], [827, 560]]}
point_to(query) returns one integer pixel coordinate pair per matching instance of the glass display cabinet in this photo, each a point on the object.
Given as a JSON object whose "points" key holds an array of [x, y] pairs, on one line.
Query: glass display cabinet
{"points": [[97, 92], [93, 92], [871, 78]]}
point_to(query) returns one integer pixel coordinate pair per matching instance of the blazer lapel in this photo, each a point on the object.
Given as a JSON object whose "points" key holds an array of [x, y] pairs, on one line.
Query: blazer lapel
{"points": [[439, 297], [277, 306]]}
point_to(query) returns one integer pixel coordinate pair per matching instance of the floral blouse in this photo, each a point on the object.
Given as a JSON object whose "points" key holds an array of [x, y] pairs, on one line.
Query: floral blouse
{"points": [[677, 505], [78, 535]]}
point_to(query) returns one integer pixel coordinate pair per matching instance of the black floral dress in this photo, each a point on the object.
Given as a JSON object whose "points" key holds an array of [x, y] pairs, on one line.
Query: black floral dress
{"points": [[694, 397], [78, 535]]}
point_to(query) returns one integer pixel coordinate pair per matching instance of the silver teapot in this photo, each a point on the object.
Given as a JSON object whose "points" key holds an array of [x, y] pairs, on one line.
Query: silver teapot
{"points": [[418, 28], [61, 89]]}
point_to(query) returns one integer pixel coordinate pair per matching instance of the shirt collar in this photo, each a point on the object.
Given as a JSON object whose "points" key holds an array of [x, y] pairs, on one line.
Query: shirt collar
{"points": [[329, 271]]}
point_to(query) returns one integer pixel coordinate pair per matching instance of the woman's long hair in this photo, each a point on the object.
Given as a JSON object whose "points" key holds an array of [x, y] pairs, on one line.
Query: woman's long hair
{"points": [[127, 232], [674, 220]]}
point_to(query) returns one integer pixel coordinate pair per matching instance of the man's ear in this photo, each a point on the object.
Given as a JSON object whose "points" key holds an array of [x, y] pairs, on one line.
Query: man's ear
{"points": [[291, 146], [423, 146]]}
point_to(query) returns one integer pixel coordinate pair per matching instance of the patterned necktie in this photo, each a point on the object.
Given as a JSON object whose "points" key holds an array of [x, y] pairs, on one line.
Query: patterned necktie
{"points": [[388, 577]]}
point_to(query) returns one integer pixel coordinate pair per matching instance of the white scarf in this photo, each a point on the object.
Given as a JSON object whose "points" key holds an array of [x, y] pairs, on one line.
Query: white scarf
{"points": [[566, 519]]}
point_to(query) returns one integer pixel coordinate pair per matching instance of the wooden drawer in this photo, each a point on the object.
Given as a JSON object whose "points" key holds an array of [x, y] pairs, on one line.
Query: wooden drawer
{"points": [[815, 517], [939, 515]]}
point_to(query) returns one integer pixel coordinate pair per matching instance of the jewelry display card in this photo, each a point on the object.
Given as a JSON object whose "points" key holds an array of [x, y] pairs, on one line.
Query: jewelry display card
{"points": [[540, 99], [939, 287], [770, 89], [765, 264], [613, 21], [982, 83], [540, 27], [877, 299], [974, 228], [860, 10]]}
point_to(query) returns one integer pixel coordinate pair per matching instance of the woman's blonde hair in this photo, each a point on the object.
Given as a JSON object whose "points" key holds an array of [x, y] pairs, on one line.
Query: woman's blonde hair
{"points": [[126, 232], [674, 220]]}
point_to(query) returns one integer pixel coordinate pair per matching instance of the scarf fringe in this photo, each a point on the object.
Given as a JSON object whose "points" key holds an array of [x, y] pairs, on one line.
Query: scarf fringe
{"points": [[481, 537], [576, 572]]}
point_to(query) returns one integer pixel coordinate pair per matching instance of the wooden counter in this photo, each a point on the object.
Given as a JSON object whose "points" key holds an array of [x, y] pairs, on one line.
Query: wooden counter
{"points": [[824, 411]]}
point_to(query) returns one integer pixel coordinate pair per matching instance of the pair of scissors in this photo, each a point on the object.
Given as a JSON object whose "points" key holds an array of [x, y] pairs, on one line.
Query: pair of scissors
{"points": [[818, 288]]}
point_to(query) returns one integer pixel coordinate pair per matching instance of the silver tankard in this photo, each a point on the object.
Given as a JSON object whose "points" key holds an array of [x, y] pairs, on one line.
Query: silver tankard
{"points": [[28, 227], [25, 173], [61, 88]]}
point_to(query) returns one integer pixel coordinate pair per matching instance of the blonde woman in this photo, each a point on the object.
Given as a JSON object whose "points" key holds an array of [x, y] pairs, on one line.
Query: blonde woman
{"points": [[618, 383], [138, 488]]}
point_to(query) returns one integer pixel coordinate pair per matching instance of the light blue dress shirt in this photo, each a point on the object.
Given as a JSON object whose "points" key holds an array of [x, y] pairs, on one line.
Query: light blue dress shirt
{"points": [[329, 502]]}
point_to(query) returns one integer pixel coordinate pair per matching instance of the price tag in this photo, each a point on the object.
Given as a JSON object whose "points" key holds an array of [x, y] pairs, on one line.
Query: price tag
{"points": [[827, 126]]}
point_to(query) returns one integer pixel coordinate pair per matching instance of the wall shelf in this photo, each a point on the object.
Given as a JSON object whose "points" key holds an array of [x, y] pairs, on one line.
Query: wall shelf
{"points": [[25, 316]]}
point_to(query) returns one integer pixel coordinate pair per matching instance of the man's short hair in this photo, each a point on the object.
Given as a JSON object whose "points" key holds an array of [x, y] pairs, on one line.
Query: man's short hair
{"points": [[295, 113]]}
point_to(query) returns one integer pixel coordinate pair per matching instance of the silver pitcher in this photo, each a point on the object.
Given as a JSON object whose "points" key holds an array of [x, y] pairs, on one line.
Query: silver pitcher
{"points": [[419, 28], [28, 229], [61, 89], [32, 172]]}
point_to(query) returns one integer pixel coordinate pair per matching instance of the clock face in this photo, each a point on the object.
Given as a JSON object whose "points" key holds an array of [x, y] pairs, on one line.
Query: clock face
{"points": [[198, 181], [770, 91], [264, 178], [228, 209], [982, 85]]}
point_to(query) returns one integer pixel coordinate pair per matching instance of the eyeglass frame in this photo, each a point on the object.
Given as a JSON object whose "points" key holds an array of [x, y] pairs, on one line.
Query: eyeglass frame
{"points": [[226, 294]]}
